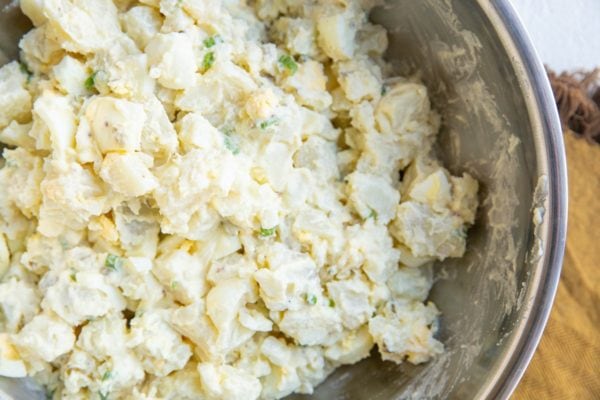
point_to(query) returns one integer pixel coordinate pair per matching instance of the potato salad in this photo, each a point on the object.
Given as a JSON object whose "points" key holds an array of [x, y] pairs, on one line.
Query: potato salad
{"points": [[215, 199]]}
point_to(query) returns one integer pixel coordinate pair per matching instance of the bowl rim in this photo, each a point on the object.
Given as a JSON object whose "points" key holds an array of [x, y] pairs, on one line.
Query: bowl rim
{"points": [[551, 165]]}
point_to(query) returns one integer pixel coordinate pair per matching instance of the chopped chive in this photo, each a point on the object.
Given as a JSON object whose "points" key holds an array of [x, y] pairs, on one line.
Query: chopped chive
{"points": [[267, 123], [208, 61], [211, 41], [372, 214], [174, 285], [90, 82], [231, 145], [25, 69], [267, 232], [107, 375], [331, 303], [311, 299], [73, 277], [228, 130], [103, 396], [288, 63], [50, 394], [113, 262]]}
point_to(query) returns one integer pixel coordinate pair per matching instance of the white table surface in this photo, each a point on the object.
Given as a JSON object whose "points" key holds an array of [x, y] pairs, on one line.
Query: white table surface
{"points": [[566, 33]]}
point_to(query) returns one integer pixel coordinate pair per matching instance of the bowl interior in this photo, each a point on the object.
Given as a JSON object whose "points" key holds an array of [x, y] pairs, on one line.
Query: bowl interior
{"points": [[487, 131]]}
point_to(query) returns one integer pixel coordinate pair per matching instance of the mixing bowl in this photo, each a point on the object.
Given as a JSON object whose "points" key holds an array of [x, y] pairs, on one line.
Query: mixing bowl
{"points": [[499, 124]]}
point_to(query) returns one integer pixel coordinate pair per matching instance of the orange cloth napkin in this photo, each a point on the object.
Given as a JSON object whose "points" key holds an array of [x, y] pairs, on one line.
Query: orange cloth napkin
{"points": [[566, 365]]}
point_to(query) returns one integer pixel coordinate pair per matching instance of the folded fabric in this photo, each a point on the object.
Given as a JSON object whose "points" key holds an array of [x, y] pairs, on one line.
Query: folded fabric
{"points": [[567, 362]]}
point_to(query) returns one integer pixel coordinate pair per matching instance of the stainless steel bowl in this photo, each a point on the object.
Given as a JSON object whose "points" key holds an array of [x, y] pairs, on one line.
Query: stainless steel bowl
{"points": [[500, 124]]}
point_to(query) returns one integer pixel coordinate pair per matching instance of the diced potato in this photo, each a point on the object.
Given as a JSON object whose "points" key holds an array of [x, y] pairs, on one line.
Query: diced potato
{"points": [[318, 155], [314, 123], [177, 19], [362, 116], [104, 337], [15, 100], [78, 28], [142, 23], [182, 384], [45, 338], [371, 247], [290, 277], [312, 325], [71, 195], [434, 190], [427, 233], [192, 322], [116, 124], [309, 86], [372, 40], [160, 349], [411, 283], [34, 10], [372, 197], [85, 145], [224, 301], [464, 197], [277, 351], [58, 117], [70, 75], [360, 79], [138, 232], [225, 81], [406, 319], [403, 105], [276, 166], [19, 303], [127, 174], [128, 78], [352, 298], [172, 61], [183, 275], [25, 172], [16, 134], [195, 131], [298, 35], [226, 382], [82, 296], [351, 348], [159, 136], [254, 320], [39, 50], [11, 365], [408, 259], [336, 36]]}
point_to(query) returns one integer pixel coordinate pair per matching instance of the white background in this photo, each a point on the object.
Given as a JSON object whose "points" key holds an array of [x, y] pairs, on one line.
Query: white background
{"points": [[566, 33]]}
